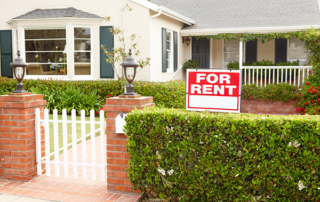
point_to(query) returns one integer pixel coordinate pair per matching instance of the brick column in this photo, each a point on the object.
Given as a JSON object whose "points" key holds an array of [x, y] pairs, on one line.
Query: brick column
{"points": [[17, 135], [117, 157]]}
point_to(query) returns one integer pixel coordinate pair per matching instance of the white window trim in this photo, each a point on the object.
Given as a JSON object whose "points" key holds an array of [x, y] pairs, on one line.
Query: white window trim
{"points": [[23, 53], [83, 77], [171, 69], [288, 52], [243, 57]]}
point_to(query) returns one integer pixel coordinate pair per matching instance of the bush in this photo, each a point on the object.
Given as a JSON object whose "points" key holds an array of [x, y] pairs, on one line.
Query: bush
{"points": [[283, 92], [192, 156], [168, 94], [191, 64]]}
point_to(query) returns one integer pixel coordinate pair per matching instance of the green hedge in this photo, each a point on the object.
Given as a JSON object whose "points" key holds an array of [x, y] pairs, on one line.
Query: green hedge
{"points": [[193, 156], [167, 94]]}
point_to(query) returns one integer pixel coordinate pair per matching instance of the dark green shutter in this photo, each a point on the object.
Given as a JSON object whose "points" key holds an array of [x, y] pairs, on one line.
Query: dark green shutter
{"points": [[6, 53], [281, 50], [106, 39], [164, 49], [175, 51], [251, 51]]}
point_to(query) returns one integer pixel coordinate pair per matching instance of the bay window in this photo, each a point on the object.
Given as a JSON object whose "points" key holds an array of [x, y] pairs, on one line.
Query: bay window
{"points": [[82, 50], [46, 51]]}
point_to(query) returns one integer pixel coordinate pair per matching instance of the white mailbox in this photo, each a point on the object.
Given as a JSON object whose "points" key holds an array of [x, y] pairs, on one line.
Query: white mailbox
{"points": [[120, 122]]}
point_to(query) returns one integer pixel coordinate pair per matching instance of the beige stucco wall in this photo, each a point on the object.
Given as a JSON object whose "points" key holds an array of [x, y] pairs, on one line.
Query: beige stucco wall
{"points": [[266, 51], [172, 25], [216, 53], [136, 22]]}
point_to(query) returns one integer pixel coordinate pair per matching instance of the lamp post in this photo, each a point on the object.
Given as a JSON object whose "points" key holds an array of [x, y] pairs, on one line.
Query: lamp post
{"points": [[130, 66], [19, 70]]}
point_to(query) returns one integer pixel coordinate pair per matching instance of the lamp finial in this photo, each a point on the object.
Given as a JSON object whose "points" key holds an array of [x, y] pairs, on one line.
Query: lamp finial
{"points": [[18, 53], [130, 52]]}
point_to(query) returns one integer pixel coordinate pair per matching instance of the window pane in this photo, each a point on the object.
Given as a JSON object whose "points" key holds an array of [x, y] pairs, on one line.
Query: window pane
{"points": [[47, 69], [168, 36], [82, 69], [231, 57], [46, 57], [45, 45], [231, 47], [168, 46], [82, 57], [82, 44], [82, 32], [45, 34]]}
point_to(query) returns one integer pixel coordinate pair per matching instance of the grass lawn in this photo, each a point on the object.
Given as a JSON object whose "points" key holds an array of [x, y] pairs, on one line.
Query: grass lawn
{"points": [[69, 131]]}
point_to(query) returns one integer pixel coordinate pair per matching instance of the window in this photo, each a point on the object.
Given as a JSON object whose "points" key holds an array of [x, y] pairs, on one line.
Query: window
{"points": [[230, 52], [82, 50], [297, 51], [169, 52], [46, 51]]}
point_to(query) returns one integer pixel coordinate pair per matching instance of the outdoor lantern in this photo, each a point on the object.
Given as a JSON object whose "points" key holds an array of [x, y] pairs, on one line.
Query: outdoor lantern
{"points": [[187, 41], [19, 70], [130, 66]]}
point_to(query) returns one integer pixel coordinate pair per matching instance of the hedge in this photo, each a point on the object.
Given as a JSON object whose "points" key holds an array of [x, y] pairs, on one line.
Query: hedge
{"points": [[190, 156], [167, 94]]}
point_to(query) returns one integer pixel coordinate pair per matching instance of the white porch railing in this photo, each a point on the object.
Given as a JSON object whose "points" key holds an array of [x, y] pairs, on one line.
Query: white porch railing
{"points": [[263, 75]]}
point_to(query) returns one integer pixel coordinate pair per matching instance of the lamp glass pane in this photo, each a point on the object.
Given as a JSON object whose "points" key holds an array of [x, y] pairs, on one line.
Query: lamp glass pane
{"points": [[130, 73], [19, 72]]}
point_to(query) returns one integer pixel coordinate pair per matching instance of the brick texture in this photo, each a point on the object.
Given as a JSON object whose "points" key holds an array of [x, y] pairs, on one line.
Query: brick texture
{"points": [[17, 135], [117, 157], [268, 107]]}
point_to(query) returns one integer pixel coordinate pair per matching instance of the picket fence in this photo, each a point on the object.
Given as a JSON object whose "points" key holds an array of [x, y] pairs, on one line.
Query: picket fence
{"points": [[66, 163]]}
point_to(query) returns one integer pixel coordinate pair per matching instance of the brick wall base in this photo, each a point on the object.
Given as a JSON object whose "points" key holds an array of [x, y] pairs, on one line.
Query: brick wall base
{"points": [[256, 106], [17, 135], [117, 155]]}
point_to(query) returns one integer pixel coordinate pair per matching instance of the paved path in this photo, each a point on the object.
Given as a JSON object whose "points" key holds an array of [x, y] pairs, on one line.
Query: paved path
{"points": [[68, 189], [12, 198]]}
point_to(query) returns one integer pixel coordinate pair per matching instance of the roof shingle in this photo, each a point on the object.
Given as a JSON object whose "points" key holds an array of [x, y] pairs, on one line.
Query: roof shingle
{"points": [[215, 14], [57, 13]]}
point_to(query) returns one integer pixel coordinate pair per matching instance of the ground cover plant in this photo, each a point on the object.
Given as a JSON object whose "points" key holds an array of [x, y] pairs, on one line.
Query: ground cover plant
{"points": [[190, 156]]}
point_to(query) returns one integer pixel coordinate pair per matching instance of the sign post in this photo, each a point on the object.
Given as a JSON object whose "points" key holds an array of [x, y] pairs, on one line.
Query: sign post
{"points": [[213, 90]]}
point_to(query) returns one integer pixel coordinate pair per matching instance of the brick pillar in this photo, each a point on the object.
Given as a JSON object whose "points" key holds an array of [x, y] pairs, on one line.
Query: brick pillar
{"points": [[117, 157], [17, 135]]}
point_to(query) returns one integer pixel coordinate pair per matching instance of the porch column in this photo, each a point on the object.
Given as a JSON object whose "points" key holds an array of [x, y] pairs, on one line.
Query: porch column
{"points": [[240, 53]]}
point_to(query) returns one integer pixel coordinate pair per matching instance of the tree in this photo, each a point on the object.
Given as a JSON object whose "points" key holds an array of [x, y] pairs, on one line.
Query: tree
{"points": [[118, 54]]}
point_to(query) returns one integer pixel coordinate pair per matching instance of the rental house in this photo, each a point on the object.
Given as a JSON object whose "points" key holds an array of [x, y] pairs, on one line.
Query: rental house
{"points": [[62, 38]]}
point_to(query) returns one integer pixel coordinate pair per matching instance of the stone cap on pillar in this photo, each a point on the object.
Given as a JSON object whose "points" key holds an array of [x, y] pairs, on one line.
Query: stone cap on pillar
{"points": [[130, 96]]}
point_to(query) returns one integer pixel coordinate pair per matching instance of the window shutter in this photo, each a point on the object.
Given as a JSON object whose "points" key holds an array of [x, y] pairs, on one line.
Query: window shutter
{"points": [[175, 51], [281, 50], [107, 39], [164, 49], [251, 51], [6, 53]]}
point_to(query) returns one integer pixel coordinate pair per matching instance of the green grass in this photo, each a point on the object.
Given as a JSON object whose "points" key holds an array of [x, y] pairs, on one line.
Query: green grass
{"points": [[69, 131]]}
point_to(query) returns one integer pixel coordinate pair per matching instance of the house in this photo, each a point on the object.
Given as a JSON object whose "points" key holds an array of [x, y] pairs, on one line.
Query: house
{"points": [[65, 36]]}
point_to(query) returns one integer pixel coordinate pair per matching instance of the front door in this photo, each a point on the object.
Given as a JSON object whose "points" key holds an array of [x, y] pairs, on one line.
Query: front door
{"points": [[201, 52], [6, 53]]}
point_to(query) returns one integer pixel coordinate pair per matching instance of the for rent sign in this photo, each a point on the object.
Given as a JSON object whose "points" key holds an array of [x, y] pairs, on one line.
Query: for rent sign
{"points": [[213, 90]]}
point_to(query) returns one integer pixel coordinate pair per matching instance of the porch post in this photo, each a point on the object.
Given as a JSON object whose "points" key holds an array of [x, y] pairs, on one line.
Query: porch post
{"points": [[240, 53]]}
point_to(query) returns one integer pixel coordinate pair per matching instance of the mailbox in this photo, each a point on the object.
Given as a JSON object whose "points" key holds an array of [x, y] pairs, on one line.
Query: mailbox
{"points": [[120, 122]]}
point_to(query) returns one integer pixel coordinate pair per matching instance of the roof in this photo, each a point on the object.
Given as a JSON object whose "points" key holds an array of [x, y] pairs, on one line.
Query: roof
{"points": [[57, 13], [217, 14]]}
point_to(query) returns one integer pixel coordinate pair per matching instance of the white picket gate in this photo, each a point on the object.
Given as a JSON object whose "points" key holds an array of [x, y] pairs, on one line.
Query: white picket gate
{"points": [[75, 163]]}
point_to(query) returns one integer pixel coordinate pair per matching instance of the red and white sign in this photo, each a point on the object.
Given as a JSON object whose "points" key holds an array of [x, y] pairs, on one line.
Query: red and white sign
{"points": [[213, 90]]}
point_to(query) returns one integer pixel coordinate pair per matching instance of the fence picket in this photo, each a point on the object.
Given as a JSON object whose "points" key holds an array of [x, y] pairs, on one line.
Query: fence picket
{"points": [[103, 146], [74, 144], [56, 142], [93, 145], [65, 142], [47, 143], [38, 142], [84, 145]]}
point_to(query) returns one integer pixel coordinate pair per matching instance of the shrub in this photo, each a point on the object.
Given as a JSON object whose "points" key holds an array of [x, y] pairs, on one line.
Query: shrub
{"points": [[169, 94], [192, 156], [283, 92], [191, 64], [310, 94]]}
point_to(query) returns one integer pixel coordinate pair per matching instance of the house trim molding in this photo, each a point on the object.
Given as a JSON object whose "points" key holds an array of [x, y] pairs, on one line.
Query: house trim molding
{"points": [[53, 19], [254, 30]]}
